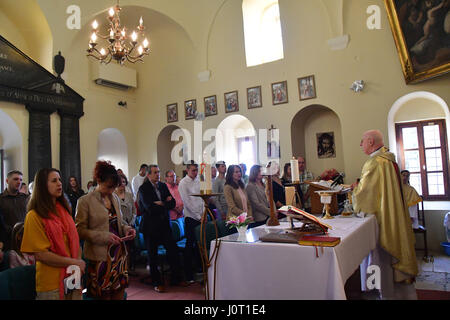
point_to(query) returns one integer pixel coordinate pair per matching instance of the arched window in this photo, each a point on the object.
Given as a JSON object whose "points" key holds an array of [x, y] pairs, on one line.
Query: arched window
{"points": [[262, 31], [419, 134]]}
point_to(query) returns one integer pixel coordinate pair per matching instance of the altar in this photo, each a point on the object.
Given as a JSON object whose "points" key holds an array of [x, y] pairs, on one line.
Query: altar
{"points": [[255, 270]]}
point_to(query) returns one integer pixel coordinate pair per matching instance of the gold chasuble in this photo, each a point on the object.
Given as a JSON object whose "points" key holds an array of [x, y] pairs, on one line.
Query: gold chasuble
{"points": [[411, 196], [379, 192]]}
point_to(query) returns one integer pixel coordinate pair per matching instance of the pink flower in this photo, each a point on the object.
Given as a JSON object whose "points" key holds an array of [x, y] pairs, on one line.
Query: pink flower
{"points": [[242, 218]]}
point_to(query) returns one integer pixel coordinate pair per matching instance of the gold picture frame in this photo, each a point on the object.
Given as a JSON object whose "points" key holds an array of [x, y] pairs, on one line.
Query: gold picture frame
{"points": [[190, 109], [421, 56], [172, 112], [307, 88], [279, 93], [210, 105], [231, 101]]}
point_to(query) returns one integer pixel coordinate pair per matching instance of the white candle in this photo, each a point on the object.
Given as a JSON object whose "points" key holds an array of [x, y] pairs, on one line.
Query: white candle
{"points": [[295, 175], [208, 178]]}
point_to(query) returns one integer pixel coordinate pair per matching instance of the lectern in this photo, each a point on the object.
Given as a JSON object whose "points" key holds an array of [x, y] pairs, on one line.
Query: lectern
{"points": [[316, 205]]}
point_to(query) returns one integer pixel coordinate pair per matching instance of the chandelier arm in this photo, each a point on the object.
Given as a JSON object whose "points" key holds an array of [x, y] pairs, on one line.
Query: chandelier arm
{"points": [[134, 60], [103, 37], [137, 57], [97, 55]]}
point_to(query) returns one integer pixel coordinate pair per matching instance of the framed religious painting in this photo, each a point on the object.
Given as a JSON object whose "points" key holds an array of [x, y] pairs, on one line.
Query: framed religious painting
{"points": [[210, 106], [325, 145], [306, 88], [231, 102], [279, 93], [190, 109], [172, 112], [421, 30], [254, 99]]}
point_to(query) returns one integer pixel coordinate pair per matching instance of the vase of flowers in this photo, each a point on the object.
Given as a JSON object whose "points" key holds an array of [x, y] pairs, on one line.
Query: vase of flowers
{"points": [[241, 223]]}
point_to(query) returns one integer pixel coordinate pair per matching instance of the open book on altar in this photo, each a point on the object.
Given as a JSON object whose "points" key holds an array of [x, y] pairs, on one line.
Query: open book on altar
{"points": [[305, 217], [312, 233]]}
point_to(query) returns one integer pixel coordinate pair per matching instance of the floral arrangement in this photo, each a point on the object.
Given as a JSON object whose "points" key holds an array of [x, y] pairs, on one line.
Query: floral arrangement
{"points": [[241, 221]]}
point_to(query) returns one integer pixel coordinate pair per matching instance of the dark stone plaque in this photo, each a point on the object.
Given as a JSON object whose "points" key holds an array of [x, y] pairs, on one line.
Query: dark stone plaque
{"points": [[25, 82], [39, 141], [70, 159]]}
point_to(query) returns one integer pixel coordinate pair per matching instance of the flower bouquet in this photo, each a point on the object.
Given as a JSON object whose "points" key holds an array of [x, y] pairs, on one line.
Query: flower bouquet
{"points": [[241, 224], [240, 221]]}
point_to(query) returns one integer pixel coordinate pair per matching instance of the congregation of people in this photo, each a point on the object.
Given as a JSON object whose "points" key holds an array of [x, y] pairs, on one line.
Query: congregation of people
{"points": [[54, 228]]}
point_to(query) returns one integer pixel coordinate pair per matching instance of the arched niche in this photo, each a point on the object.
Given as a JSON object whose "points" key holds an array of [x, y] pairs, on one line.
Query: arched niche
{"points": [[306, 127], [234, 136], [165, 146], [10, 143], [112, 146], [28, 29], [416, 106]]}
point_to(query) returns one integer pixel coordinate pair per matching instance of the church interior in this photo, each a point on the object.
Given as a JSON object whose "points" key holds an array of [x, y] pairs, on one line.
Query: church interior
{"points": [[249, 68]]}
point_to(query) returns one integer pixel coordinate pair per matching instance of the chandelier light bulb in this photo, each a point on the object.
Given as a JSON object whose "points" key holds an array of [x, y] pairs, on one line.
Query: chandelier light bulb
{"points": [[145, 43], [141, 22], [140, 50], [94, 37], [123, 32], [111, 12], [94, 25], [102, 51], [111, 34], [134, 36]]}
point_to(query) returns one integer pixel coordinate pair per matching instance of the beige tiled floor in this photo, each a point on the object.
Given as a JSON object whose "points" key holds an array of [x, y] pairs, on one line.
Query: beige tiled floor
{"points": [[435, 274]]}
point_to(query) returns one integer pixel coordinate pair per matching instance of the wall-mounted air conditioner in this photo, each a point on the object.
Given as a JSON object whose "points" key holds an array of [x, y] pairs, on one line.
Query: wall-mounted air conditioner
{"points": [[114, 76]]}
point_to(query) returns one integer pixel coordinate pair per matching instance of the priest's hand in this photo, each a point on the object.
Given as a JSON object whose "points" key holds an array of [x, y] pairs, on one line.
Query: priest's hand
{"points": [[354, 185]]}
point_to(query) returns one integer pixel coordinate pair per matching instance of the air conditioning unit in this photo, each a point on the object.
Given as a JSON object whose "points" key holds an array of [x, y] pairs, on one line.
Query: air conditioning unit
{"points": [[114, 76]]}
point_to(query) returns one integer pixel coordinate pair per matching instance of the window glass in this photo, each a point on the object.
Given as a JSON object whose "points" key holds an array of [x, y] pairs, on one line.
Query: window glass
{"points": [[262, 31]]}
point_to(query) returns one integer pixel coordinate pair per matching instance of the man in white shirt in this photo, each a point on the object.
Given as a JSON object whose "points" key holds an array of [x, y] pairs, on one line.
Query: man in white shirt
{"points": [[138, 180], [193, 211]]}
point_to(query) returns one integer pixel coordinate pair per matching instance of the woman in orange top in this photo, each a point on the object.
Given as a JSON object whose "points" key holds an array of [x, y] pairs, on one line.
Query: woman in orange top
{"points": [[50, 234]]}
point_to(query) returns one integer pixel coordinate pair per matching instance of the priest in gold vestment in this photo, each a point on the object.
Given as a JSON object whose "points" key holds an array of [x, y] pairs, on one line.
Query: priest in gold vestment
{"points": [[379, 192]]}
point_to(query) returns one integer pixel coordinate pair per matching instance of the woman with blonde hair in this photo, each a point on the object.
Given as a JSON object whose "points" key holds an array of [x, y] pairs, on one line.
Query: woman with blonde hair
{"points": [[50, 234], [256, 191]]}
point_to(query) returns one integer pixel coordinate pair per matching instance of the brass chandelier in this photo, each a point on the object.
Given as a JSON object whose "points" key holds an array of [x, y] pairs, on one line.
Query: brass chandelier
{"points": [[120, 46]]}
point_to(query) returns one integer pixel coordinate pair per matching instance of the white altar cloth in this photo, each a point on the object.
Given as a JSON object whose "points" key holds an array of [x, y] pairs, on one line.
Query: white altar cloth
{"points": [[283, 271]]}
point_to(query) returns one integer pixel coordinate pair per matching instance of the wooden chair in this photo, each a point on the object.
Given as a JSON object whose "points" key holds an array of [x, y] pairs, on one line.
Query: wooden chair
{"points": [[422, 228]]}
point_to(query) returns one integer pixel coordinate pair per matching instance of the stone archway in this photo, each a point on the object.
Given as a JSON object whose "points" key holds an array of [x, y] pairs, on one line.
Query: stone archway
{"points": [[440, 110], [234, 134]]}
